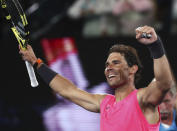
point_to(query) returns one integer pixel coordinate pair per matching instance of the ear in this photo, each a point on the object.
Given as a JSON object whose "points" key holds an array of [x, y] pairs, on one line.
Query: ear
{"points": [[133, 69]]}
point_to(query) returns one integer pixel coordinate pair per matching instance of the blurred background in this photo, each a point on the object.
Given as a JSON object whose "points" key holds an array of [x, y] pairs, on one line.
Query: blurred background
{"points": [[73, 37]]}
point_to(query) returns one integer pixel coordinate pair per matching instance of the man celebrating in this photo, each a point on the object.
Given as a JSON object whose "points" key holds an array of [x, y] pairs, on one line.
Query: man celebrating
{"points": [[129, 109]]}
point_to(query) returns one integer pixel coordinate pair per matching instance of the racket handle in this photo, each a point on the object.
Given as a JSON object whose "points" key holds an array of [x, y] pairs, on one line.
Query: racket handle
{"points": [[32, 76]]}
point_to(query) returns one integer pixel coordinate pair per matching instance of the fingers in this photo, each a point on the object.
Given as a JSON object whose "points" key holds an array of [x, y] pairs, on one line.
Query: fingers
{"points": [[28, 47], [140, 31], [23, 52], [28, 54], [146, 35]]}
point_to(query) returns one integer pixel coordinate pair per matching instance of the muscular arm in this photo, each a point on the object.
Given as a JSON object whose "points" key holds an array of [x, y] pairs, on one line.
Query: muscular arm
{"points": [[154, 93], [64, 87], [68, 90]]}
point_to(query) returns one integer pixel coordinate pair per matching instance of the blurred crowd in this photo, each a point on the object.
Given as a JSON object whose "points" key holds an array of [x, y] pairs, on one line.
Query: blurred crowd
{"points": [[121, 17], [109, 18]]}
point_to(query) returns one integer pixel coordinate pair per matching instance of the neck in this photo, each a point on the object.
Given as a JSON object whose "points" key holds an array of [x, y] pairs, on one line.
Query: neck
{"points": [[169, 120], [124, 91]]}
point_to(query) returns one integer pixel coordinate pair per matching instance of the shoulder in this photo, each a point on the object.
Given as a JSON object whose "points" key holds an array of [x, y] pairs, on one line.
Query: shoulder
{"points": [[106, 99], [151, 95], [146, 98], [149, 110], [141, 96]]}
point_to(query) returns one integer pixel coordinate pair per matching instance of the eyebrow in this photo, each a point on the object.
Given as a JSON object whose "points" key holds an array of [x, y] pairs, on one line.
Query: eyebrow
{"points": [[106, 63], [115, 60]]}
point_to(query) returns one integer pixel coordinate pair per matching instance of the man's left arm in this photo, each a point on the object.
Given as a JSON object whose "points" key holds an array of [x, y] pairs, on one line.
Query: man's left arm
{"points": [[154, 93], [163, 81]]}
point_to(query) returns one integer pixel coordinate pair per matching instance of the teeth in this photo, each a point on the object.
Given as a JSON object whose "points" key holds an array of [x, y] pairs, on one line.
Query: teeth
{"points": [[111, 76]]}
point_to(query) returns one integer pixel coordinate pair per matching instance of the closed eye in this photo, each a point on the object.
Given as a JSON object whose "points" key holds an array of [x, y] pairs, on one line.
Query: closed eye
{"points": [[116, 62]]}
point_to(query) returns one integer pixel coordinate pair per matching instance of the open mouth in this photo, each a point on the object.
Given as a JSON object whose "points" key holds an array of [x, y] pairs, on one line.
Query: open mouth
{"points": [[164, 114], [110, 77]]}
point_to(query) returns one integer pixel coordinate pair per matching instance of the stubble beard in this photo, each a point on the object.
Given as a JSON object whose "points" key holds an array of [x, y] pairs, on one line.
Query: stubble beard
{"points": [[118, 82]]}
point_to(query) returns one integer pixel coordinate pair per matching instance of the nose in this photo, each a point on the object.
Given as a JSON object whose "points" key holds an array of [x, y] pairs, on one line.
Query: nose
{"points": [[162, 105], [108, 67]]}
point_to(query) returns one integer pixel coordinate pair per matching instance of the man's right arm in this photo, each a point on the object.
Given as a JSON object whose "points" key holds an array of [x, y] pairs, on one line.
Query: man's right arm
{"points": [[68, 90], [62, 86]]}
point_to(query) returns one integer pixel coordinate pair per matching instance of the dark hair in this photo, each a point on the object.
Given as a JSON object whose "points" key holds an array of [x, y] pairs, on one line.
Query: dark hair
{"points": [[131, 56]]}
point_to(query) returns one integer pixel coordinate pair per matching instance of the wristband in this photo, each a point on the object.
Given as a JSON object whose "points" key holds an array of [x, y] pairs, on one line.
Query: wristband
{"points": [[46, 73], [156, 49], [38, 61]]}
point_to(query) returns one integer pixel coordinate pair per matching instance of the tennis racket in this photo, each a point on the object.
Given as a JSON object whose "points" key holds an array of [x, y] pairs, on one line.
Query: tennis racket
{"points": [[17, 21]]}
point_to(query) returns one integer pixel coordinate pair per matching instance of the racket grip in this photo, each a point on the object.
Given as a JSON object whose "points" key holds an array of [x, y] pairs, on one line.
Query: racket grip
{"points": [[32, 76]]}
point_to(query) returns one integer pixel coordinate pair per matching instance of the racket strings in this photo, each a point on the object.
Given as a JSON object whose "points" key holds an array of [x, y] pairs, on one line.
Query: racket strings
{"points": [[16, 18]]}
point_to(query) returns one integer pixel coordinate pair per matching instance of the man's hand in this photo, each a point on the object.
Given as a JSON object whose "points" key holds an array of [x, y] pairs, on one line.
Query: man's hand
{"points": [[148, 30], [28, 55]]}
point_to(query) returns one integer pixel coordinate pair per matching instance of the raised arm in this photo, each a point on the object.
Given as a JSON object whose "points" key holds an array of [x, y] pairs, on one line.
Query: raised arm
{"points": [[154, 93], [62, 86]]}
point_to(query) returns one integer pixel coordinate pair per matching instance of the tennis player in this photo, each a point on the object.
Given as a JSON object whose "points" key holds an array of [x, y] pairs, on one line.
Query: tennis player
{"points": [[129, 109]]}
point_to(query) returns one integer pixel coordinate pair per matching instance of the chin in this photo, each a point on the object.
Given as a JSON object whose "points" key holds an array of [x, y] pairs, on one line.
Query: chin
{"points": [[116, 85], [116, 82], [112, 83]]}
